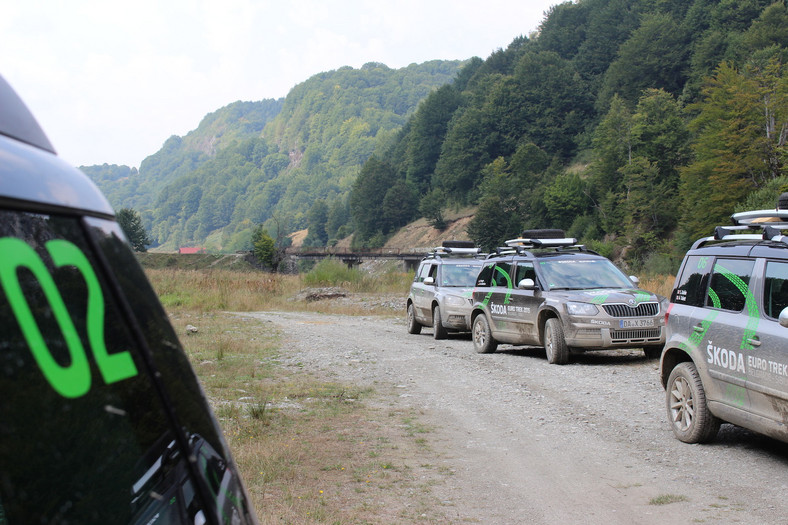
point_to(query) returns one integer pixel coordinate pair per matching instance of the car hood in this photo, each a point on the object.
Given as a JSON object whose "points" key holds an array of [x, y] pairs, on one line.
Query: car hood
{"points": [[631, 296]]}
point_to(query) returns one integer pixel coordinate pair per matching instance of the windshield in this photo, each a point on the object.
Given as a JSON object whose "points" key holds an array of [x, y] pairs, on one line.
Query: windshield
{"points": [[461, 275], [582, 274]]}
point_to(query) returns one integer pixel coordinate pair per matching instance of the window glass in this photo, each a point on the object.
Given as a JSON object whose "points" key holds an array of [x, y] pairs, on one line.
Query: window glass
{"points": [[525, 270], [691, 286], [485, 275], [776, 288], [78, 412], [581, 274], [433, 272], [460, 275], [501, 275], [729, 287]]}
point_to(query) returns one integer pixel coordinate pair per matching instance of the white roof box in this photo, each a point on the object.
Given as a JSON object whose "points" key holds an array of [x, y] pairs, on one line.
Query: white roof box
{"points": [[761, 218]]}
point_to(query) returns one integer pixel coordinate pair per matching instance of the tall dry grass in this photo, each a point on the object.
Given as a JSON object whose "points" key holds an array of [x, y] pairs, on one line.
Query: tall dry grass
{"points": [[310, 449]]}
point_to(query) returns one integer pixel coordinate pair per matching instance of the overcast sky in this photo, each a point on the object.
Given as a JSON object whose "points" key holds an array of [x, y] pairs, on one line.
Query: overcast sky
{"points": [[111, 81]]}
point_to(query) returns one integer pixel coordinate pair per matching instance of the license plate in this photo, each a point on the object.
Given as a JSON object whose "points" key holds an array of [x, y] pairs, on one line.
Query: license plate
{"points": [[636, 323]]}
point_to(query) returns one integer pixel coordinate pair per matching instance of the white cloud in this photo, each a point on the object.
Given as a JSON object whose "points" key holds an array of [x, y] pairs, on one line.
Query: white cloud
{"points": [[110, 82]]}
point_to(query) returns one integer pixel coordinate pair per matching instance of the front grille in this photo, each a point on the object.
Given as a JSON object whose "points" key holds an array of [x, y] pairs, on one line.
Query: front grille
{"points": [[624, 310], [620, 336]]}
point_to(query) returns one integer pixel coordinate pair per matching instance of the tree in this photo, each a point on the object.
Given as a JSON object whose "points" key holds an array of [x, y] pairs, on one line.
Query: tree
{"points": [[431, 208], [263, 247], [316, 222], [131, 224], [742, 130]]}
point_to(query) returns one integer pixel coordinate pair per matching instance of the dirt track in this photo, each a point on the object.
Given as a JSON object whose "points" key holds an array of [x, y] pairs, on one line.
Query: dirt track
{"points": [[530, 442]]}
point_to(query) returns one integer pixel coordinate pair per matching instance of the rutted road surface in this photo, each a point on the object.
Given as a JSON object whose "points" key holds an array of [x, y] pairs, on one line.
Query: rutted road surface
{"points": [[536, 443]]}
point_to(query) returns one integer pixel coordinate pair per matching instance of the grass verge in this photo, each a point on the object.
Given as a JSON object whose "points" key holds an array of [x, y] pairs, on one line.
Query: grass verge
{"points": [[309, 450]]}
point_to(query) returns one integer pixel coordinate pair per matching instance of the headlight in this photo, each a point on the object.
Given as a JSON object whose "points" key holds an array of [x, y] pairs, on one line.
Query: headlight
{"points": [[453, 300], [581, 309]]}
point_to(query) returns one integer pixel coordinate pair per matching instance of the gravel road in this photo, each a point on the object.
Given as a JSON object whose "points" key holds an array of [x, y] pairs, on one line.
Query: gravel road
{"points": [[530, 442]]}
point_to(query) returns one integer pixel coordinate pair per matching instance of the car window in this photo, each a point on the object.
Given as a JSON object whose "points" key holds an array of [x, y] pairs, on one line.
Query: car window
{"points": [[581, 274], [729, 286], [424, 268], [495, 274], [525, 270], [461, 275], [691, 286], [776, 288]]}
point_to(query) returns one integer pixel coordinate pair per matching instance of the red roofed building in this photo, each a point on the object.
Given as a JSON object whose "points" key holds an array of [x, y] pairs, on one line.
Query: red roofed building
{"points": [[191, 249]]}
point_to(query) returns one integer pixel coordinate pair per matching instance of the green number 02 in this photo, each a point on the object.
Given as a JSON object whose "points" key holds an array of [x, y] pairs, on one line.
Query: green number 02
{"points": [[73, 380]]}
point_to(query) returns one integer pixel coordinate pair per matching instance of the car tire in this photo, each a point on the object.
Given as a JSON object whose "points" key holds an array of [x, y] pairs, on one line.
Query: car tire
{"points": [[688, 412], [652, 352], [413, 325], [554, 342], [438, 330], [483, 341]]}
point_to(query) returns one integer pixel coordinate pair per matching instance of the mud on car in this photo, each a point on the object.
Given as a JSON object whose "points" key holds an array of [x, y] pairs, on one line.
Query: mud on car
{"points": [[440, 295], [102, 418], [546, 290], [726, 353]]}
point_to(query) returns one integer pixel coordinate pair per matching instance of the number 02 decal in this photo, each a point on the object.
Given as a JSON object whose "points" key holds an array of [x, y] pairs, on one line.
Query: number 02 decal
{"points": [[73, 380]]}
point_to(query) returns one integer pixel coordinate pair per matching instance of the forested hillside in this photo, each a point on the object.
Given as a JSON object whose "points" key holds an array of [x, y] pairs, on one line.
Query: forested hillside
{"points": [[274, 162], [636, 125]]}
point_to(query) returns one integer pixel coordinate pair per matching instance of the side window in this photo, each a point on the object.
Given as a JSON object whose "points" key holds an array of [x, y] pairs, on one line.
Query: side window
{"points": [[525, 270], [485, 275], [423, 272], [776, 288], [691, 286], [434, 273], [729, 287], [501, 275]]}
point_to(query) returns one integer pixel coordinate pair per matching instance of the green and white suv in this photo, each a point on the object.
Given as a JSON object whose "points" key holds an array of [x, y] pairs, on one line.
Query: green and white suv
{"points": [[546, 290], [726, 354]]}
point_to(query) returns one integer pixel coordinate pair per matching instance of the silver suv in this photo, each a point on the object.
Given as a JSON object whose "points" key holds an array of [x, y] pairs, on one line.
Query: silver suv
{"points": [[546, 290], [726, 354], [440, 295]]}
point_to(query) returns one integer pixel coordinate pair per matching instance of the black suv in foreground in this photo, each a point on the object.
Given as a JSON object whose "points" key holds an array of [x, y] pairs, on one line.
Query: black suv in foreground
{"points": [[102, 419], [546, 290], [726, 354], [440, 295]]}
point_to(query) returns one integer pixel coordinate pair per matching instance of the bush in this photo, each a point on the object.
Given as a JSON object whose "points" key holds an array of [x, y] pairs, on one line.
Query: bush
{"points": [[333, 272]]}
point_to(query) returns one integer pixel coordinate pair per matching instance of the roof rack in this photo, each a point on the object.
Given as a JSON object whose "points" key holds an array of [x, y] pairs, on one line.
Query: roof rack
{"points": [[759, 225], [445, 250], [455, 249], [542, 243]]}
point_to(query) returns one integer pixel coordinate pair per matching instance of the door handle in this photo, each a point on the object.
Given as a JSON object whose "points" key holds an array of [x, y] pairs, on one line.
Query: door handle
{"points": [[698, 328], [754, 341]]}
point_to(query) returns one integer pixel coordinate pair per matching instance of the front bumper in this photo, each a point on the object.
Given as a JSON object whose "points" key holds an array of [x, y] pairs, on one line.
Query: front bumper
{"points": [[588, 334]]}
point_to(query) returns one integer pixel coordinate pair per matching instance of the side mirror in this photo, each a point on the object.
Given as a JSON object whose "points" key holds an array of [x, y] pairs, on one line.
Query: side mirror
{"points": [[526, 284], [635, 280], [429, 280], [784, 317]]}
